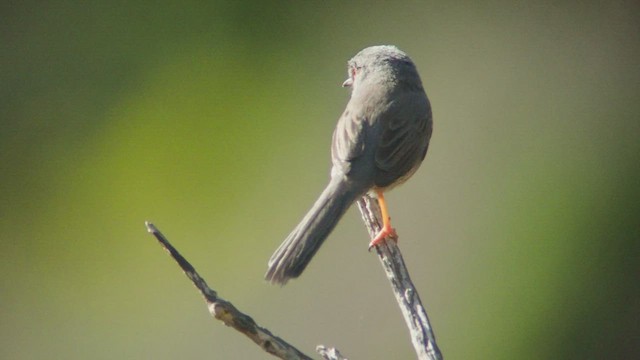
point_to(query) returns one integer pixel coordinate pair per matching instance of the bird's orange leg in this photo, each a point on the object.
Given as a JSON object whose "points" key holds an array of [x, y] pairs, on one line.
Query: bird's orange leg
{"points": [[387, 230]]}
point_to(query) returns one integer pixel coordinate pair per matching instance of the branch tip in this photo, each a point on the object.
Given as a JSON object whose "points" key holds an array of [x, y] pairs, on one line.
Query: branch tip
{"points": [[150, 227]]}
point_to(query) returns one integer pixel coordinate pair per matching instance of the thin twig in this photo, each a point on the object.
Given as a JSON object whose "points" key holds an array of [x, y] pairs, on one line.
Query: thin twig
{"points": [[422, 336], [226, 312]]}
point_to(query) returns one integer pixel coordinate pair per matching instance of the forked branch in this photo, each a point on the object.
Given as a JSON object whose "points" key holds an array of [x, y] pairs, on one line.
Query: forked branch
{"points": [[415, 316]]}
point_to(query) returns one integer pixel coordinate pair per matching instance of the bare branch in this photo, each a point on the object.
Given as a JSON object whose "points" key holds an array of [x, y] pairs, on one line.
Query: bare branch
{"points": [[415, 316], [226, 312], [422, 336]]}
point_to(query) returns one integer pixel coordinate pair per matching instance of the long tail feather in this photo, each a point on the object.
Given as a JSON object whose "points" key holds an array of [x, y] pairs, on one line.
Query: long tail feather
{"points": [[295, 253]]}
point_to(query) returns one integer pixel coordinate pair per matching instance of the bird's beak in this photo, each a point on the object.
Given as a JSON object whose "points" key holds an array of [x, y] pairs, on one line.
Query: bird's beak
{"points": [[347, 83]]}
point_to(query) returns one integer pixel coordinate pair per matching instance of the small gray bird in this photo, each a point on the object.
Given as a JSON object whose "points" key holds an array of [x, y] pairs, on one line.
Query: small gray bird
{"points": [[379, 142]]}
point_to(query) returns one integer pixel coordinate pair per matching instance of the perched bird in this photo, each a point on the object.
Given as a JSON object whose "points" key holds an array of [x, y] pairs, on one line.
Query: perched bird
{"points": [[379, 142]]}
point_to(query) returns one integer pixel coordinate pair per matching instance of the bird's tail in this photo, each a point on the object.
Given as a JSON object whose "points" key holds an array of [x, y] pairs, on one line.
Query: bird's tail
{"points": [[295, 253]]}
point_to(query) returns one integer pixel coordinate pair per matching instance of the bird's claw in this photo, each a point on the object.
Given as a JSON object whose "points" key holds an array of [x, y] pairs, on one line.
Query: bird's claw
{"points": [[382, 235]]}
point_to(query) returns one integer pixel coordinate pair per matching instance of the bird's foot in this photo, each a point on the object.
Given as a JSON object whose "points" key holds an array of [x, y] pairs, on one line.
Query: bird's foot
{"points": [[385, 232]]}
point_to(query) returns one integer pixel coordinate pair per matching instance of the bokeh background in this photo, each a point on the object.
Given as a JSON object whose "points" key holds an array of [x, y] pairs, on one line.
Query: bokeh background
{"points": [[214, 119]]}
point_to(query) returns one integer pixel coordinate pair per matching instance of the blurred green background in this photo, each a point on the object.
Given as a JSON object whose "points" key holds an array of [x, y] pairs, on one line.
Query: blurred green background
{"points": [[213, 120]]}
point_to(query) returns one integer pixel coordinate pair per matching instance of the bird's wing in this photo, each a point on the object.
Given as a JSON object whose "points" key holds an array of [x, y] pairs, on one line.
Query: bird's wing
{"points": [[405, 133], [348, 139]]}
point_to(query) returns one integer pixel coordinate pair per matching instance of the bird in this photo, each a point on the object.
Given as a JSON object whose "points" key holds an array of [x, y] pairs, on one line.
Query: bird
{"points": [[379, 142]]}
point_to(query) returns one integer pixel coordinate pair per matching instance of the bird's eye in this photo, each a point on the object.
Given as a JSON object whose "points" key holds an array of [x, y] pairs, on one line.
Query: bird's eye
{"points": [[353, 72]]}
